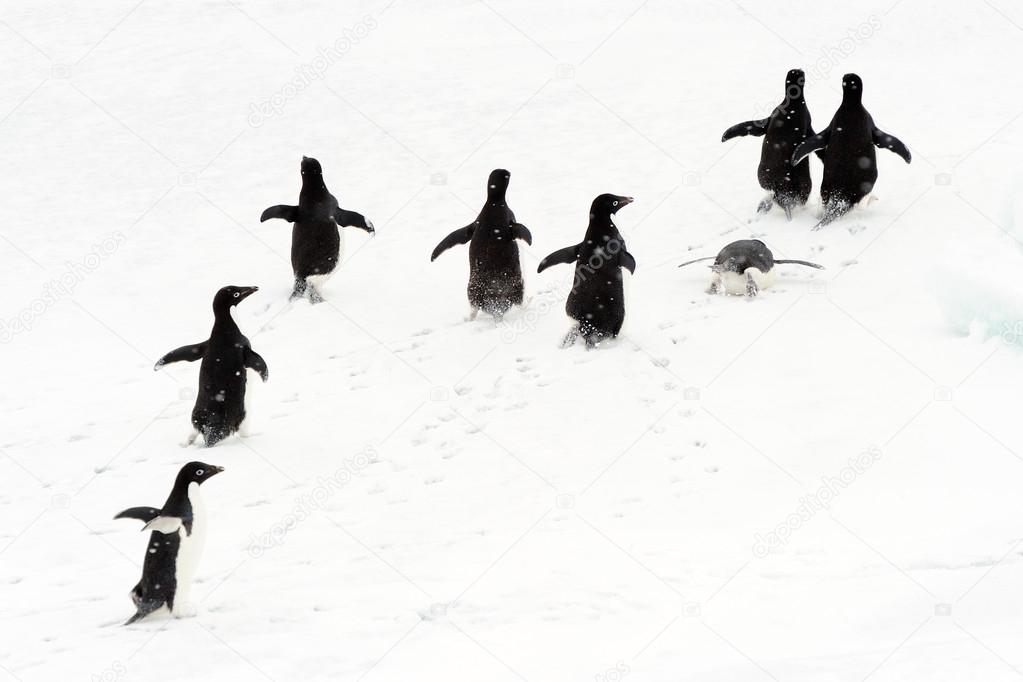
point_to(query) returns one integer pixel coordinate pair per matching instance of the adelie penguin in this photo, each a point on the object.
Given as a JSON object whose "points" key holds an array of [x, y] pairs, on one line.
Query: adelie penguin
{"points": [[220, 403], [317, 246], [744, 267], [597, 299], [788, 125], [850, 163], [495, 273], [175, 544]]}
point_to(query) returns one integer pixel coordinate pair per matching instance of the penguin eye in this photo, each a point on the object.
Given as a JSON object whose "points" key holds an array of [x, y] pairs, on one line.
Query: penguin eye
{"points": [[614, 203], [236, 294], [198, 472]]}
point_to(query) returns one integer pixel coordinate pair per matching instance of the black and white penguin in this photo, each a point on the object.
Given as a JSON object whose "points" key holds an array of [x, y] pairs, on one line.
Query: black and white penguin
{"points": [[220, 403], [317, 246], [175, 544], [850, 163], [788, 125], [495, 273], [597, 299], [744, 267]]}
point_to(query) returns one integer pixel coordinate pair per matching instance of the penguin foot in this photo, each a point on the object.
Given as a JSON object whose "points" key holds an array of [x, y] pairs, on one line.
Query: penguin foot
{"points": [[751, 286], [570, 338], [315, 297], [788, 213], [191, 438], [299, 290], [715, 285], [472, 315], [765, 204]]}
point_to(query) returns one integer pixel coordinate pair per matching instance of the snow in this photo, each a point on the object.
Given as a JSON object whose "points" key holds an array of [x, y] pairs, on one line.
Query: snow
{"points": [[819, 484]]}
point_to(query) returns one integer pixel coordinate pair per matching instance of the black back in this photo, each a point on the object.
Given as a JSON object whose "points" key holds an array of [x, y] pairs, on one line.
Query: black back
{"points": [[743, 254], [220, 401], [789, 124], [315, 240], [495, 271], [597, 299], [850, 162]]}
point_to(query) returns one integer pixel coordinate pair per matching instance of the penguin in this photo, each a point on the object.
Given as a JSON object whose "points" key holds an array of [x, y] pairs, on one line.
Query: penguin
{"points": [[788, 125], [850, 163], [175, 544], [744, 267], [597, 299], [317, 246], [495, 273], [220, 403]]}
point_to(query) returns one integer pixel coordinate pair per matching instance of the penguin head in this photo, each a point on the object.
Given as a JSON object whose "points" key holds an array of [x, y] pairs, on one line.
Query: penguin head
{"points": [[198, 472], [852, 86], [311, 168], [231, 296], [794, 82], [497, 183], [608, 204]]}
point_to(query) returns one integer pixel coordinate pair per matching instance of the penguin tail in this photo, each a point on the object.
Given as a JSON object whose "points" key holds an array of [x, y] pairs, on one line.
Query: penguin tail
{"points": [[800, 262]]}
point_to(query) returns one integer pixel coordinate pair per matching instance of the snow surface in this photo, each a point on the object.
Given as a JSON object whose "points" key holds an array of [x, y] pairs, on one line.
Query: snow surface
{"points": [[427, 498]]}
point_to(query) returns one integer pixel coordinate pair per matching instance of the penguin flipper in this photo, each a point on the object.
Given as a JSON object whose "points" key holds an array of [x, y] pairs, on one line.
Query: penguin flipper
{"points": [[883, 140], [255, 361], [800, 262], [569, 254], [185, 353], [520, 231], [755, 128], [810, 145], [690, 262], [460, 236], [282, 211], [144, 514], [352, 219], [819, 152], [626, 260]]}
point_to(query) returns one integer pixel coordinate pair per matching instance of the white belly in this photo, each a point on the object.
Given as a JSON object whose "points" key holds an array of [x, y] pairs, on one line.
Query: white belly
{"points": [[189, 553], [735, 284]]}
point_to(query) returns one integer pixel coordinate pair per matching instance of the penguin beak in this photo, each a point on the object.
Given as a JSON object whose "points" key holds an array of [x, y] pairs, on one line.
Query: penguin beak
{"points": [[216, 470], [625, 201], [246, 292]]}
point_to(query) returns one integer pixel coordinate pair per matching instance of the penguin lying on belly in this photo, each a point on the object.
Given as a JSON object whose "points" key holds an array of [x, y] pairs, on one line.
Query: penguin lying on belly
{"points": [[317, 246], [744, 267], [175, 544]]}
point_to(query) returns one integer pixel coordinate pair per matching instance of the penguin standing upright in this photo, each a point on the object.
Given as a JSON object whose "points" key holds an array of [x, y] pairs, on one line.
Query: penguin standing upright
{"points": [[850, 162], [175, 544], [220, 403], [495, 273], [788, 125], [597, 299], [317, 246]]}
